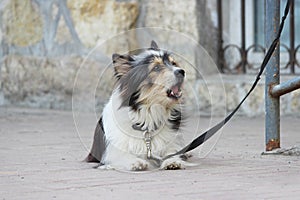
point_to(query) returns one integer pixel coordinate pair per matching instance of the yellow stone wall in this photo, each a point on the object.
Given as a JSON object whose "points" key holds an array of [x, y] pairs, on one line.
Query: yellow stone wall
{"points": [[23, 25]]}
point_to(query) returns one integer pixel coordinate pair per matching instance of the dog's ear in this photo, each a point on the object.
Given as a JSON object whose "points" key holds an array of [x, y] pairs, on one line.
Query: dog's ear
{"points": [[122, 64], [154, 45]]}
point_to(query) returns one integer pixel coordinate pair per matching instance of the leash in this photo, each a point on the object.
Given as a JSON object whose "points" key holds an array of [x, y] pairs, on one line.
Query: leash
{"points": [[209, 133]]}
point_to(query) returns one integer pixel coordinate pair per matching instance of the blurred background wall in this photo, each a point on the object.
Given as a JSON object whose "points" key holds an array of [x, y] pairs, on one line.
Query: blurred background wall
{"points": [[45, 42]]}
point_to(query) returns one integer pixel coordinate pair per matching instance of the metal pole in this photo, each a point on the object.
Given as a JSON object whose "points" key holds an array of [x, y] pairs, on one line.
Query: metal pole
{"points": [[286, 87], [272, 11]]}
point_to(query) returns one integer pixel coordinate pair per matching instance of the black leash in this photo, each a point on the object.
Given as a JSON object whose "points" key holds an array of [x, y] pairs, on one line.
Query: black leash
{"points": [[209, 133]]}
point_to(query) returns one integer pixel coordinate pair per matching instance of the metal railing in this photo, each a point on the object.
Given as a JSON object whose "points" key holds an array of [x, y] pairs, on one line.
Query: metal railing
{"points": [[244, 65], [273, 88]]}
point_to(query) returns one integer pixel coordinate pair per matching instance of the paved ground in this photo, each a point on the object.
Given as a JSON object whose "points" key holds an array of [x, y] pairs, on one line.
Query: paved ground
{"points": [[41, 157]]}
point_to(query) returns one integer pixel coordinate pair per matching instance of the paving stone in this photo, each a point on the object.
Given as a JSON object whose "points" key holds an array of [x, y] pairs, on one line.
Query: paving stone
{"points": [[41, 158]]}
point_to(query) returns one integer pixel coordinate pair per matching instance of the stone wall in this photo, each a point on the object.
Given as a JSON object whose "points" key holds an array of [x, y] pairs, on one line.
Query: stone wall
{"points": [[57, 53], [223, 96]]}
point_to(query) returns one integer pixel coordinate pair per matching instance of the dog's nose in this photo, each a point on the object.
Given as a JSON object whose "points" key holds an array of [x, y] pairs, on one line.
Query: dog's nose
{"points": [[179, 73]]}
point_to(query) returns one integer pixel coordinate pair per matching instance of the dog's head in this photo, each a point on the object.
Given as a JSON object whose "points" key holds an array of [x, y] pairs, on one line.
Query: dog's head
{"points": [[149, 77]]}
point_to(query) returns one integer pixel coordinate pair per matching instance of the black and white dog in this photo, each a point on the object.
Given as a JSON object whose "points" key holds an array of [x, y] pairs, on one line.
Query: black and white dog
{"points": [[144, 114]]}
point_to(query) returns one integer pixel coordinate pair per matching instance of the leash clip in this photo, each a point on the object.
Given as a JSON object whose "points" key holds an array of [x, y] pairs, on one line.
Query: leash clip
{"points": [[147, 139]]}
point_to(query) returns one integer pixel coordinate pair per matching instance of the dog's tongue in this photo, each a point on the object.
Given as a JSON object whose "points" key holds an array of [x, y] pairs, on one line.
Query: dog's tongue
{"points": [[175, 89]]}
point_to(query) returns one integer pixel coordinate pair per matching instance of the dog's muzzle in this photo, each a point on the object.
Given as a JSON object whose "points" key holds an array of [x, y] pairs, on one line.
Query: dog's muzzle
{"points": [[175, 91]]}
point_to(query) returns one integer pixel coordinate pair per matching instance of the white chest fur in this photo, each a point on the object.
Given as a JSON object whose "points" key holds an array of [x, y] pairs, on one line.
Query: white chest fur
{"points": [[120, 135]]}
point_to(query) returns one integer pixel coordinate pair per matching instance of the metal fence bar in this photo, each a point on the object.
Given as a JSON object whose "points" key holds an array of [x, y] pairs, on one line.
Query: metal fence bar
{"points": [[286, 87], [221, 60], [243, 37], [272, 120], [292, 52]]}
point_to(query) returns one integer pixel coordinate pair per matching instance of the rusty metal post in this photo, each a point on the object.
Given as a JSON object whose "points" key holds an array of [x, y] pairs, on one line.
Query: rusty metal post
{"points": [[272, 123]]}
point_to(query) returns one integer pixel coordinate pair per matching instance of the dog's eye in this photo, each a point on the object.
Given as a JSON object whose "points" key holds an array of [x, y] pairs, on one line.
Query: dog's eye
{"points": [[157, 68]]}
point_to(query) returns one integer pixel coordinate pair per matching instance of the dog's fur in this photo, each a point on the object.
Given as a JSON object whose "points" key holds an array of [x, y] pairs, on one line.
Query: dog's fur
{"points": [[147, 97]]}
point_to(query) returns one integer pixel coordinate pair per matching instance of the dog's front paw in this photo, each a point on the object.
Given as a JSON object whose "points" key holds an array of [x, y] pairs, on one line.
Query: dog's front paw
{"points": [[173, 164], [139, 165]]}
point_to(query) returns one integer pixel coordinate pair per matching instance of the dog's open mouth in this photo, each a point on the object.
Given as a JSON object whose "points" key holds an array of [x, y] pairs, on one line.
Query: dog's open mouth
{"points": [[175, 91]]}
